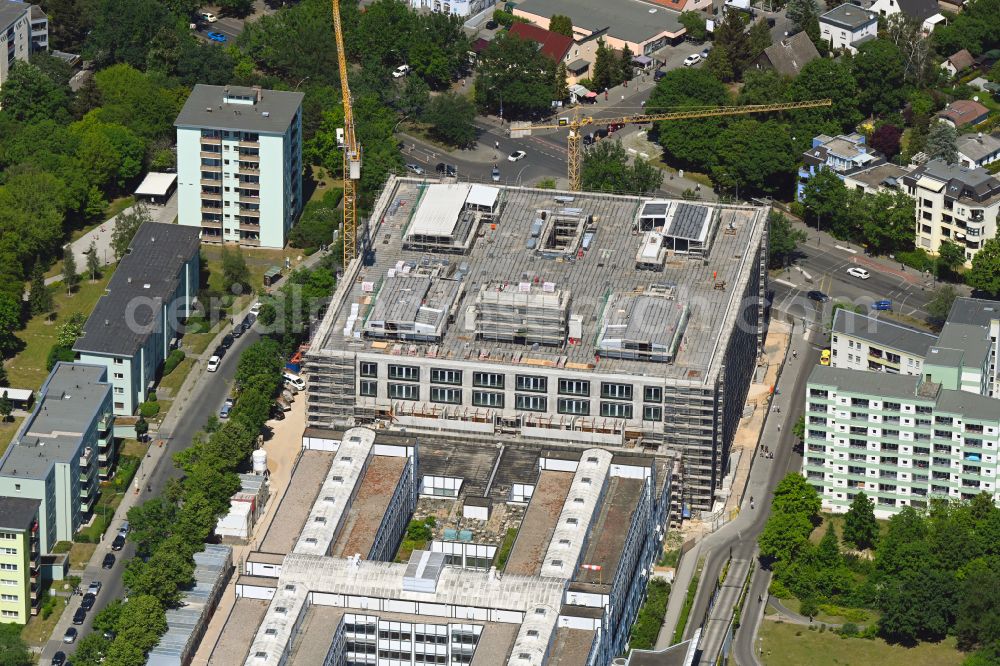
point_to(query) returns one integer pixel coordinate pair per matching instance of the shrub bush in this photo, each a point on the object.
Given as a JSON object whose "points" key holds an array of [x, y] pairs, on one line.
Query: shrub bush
{"points": [[149, 409], [849, 629], [916, 258], [175, 358]]}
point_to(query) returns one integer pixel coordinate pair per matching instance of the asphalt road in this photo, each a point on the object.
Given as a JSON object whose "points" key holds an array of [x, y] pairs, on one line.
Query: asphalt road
{"points": [[206, 400]]}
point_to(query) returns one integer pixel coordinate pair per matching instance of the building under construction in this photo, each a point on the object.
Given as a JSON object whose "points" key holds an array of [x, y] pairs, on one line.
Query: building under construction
{"points": [[589, 319]]}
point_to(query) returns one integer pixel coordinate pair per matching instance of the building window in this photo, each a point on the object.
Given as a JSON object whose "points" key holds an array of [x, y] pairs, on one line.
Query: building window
{"points": [[119, 405], [652, 394], [618, 410], [652, 413], [616, 391], [488, 379], [119, 390], [118, 361], [574, 387], [404, 391], [487, 399], [9, 613], [530, 403], [448, 396], [368, 389], [442, 376], [8, 597], [8, 567], [573, 407], [531, 383], [368, 369], [406, 373], [119, 375]]}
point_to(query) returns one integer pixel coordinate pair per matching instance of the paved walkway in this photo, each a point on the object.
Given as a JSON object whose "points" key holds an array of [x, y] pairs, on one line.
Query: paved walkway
{"points": [[101, 236]]}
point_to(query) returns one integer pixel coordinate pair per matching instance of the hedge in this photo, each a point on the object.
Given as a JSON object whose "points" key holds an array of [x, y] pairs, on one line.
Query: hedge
{"points": [[650, 619], [175, 358], [149, 409]]}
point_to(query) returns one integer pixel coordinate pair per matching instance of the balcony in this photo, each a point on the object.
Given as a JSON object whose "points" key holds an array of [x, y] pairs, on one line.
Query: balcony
{"points": [[86, 457], [249, 185], [248, 157], [212, 140], [248, 212], [211, 182], [210, 155], [211, 224], [211, 196], [250, 242], [246, 198], [252, 228], [212, 168], [250, 144]]}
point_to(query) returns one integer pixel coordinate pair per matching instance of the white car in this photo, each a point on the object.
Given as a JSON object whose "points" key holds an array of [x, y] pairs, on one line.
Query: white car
{"points": [[255, 309], [400, 71], [209, 17], [858, 272], [517, 155], [692, 59], [213, 364]]}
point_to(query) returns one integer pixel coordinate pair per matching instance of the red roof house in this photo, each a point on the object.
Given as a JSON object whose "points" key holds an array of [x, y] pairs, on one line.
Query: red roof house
{"points": [[552, 44]]}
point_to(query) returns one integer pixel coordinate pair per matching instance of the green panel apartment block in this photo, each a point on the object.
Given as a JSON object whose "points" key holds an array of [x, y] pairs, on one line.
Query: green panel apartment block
{"points": [[900, 439], [19, 559]]}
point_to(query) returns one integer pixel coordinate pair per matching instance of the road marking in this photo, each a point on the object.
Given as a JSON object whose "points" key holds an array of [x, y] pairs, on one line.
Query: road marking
{"points": [[846, 249], [786, 283]]}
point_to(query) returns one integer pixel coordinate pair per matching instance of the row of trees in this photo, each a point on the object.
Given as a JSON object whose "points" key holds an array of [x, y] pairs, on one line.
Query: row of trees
{"points": [[934, 573]]}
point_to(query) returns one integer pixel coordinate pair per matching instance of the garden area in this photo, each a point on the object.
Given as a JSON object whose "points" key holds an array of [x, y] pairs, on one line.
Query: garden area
{"points": [[921, 582]]}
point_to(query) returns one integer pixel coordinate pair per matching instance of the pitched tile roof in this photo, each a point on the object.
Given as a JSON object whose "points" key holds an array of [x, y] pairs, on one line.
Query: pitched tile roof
{"points": [[789, 56], [553, 45]]}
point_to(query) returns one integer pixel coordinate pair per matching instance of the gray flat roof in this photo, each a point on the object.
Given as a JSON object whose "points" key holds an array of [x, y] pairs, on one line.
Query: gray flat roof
{"points": [[883, 332], [606, 538], [968, 405], [296, 503], [849, 16], [10, 11], [206, 107], [712, 288], [977, 311], [971, 341], [18, 513], [69, 401], [630, 20], [878, 175], [149, 271], [882, 384]]}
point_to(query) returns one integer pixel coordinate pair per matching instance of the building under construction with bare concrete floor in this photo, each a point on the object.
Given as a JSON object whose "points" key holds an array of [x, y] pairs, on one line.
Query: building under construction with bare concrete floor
{"points": [[619, 322]]}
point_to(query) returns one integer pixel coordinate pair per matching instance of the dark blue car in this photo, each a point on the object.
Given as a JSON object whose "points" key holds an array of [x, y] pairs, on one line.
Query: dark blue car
{"points": [[884, 304], [216, 36]]}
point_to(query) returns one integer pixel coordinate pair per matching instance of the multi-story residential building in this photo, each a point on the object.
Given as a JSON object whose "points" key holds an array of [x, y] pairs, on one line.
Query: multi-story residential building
{"points": [[985, 315], [239, 164], [134, 323], [456, 7], [592, 526], [900, 439], [58, 452], [20, 559], [925, 12], [24, 28], [860, 342], [553, 316], [978, 150], [844, 155], [848, 27], [954, 203]]}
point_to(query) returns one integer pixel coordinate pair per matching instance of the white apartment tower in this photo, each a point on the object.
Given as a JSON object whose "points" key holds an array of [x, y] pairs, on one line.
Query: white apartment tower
{"points": [[239, 164]]}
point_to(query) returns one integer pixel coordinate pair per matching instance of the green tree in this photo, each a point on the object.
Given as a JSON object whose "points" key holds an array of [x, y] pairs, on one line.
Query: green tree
{"points": [[757, 157], [452, 119], [70, 275], [605, 168], [763, 86], [562, 25], [828, 551], [985, 272], [694, 25], [885, 219], [13, 649], [297, 43], [879, 70], [758, 39], [940, 304], [688, 143], [268, 313], [825, 199], [168, 569], [794, 495], [950, 256], [606, 70], [124, 29], [977, 621], [30, 96], [141, 622], [40, 301], [824, 78], [414, 97], [235, 272], [70, 330], [93, 261], [141, 428], [784, 536], [514, 74], [238, 8], [732, 38], [802, 12], [917, 605], [860, 527], [942, 143], [126, 225], [10, 321], [720, 63], [90, 650], [783, 239], [6, 407], [560, 89]]}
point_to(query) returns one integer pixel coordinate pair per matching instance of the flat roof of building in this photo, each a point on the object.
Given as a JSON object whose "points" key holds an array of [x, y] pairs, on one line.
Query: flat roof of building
{"points": [[598, 268], [123, 319], [69, 401], [885, 174], [571, 647], [849, 16], [630, 20], [606, 535], [238, 632], [976, 311], [297, 501], [883, 332], [370, 503], [970, 341], [18, 513], [539, 523], [156, 184], [270, 113]]}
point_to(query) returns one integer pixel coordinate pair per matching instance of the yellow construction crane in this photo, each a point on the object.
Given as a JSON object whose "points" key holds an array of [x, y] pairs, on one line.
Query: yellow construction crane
{"points": [[576, 122], [352, 149]]}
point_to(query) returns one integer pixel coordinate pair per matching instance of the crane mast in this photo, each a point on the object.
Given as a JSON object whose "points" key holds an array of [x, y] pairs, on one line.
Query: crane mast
{"points": [[576, 123], [350, 147]]}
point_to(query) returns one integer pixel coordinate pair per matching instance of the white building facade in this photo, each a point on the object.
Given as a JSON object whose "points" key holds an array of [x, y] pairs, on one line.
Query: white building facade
{"points": [[461, 8], [239, 164], [847, 27]]}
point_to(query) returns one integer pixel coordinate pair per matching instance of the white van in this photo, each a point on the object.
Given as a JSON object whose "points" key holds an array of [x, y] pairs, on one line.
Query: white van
{"points": [[294, 380], [209, 17]]}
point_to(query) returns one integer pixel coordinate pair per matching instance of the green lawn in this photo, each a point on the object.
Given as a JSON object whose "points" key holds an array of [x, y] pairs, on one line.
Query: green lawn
{"points": [[835, 614], [793, 645], [27, 369], [80, 554], [7, 431], [38, 631], [175, 379]]}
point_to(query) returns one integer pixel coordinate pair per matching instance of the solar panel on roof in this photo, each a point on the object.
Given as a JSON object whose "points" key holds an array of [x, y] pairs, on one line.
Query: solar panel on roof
{"points": [[688, 221]]}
